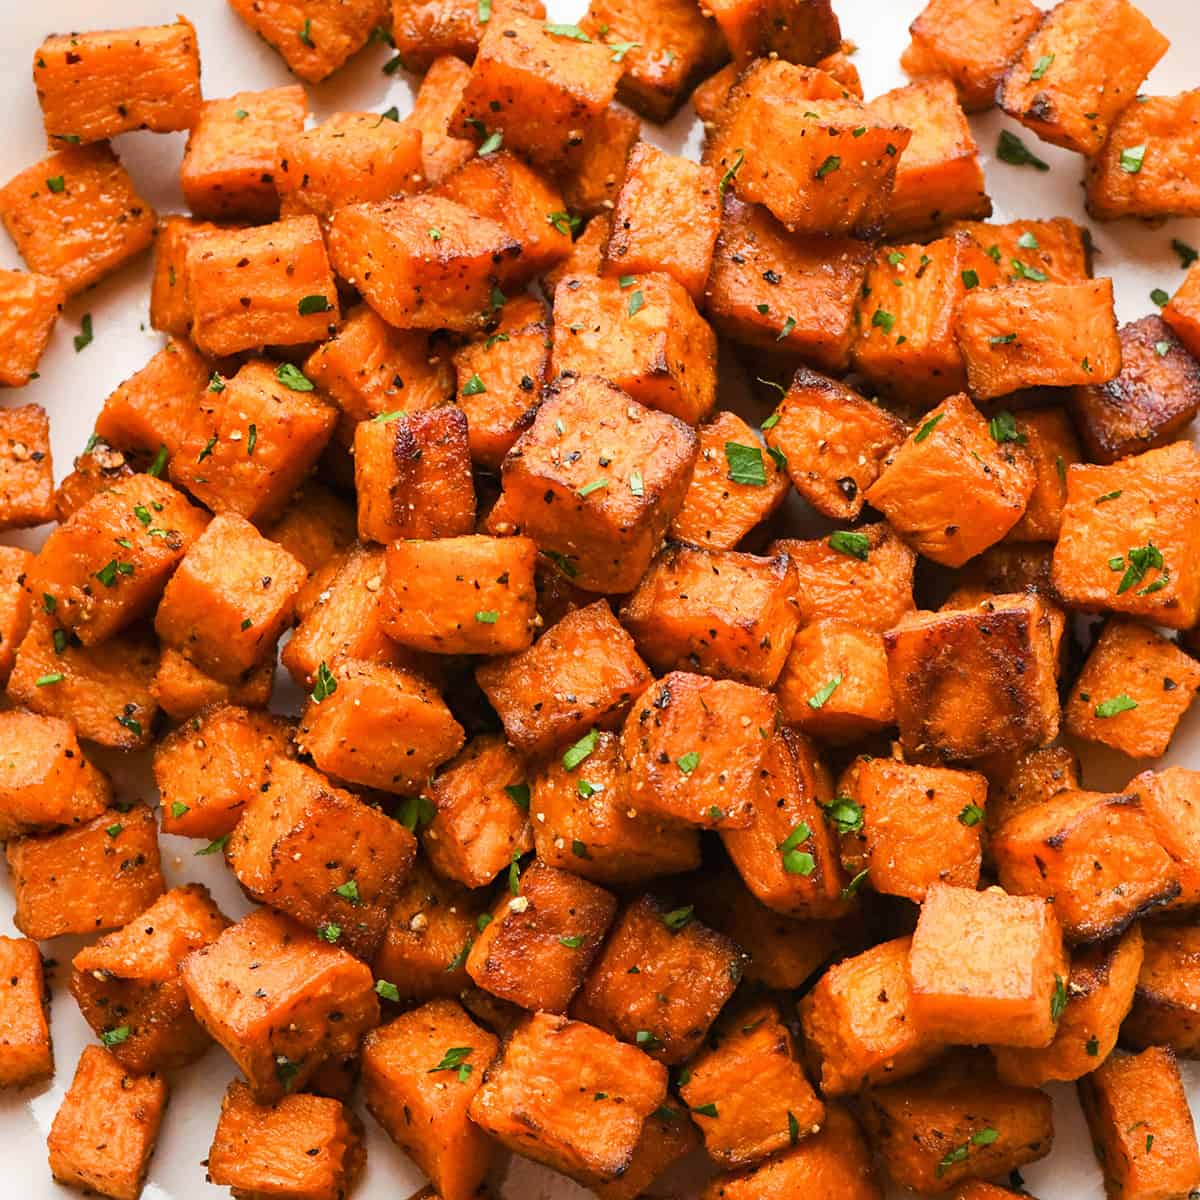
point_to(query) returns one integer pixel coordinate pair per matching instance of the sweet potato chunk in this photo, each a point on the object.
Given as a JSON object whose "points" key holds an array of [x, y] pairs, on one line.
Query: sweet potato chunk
{"points": [[1050, 441], [433, 108], [667, 1136], [16, 604], [169, 307], [1169, 800], [597, 169], [314, 37], [799, 31], [182, 690], [1182, 311], [30, 305], [26, 472], [424, 31], [25, 1052], [1057, 248], [1166, 1003], [95, 470]]}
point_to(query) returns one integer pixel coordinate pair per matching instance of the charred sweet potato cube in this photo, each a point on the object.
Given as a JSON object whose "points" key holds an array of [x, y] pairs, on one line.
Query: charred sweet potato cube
{"points": [[433, 108], [858, 1025], [1146, 510], [280, 1000], [660, 980], [1099, 994], [26, 471], [16, 605], [26, 1055], [543, 90], [76, 216], [426, 32], [1099, 52], [955, 1122], [716, 612], [565, 1094], [30, 305], [779, 291], [596, 481], [420, 1074], [1166, 1004], [642, 334], [183, 690], [747, 1090], [970, 43], [798, 31], [591, 184], [106, 1128], [314, 37], [953, 524], [233, 151], [128, 987], [666, 219], [1038, 335], [1141, 1126], [694, 747], [97, 875], [1057, 248], [1049, 439]]}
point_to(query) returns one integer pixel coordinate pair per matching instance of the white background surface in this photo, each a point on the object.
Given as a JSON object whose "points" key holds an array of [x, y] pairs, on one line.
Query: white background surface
{"points": [[73, 386]]}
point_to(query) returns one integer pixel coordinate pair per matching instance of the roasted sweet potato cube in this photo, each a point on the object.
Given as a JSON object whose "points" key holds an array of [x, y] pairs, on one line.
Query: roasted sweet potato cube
{"points": [[1169, 800], [420, 1074], [30, 305], [710, 97], [858, 1023], [76, 216], [424, 31], [1166, 1005], [128, 987], [1057, 248], [1099, 52], [95, 470], [98, 875], [26, 471], [694, 747], [1099, 994], [781, 291], [955, 1122], [1141, 1126], [1024, 781], [660, 980], [314, 37], [543, 90], [570, 1096], [840, 65], [16, 604], [1182, 311], [799, 31], [169, 307], [951, 524], [280, 1000], [591, 184], [183, 690], [667, 1137], [747, 1090], [26, 1055], [970, 43], [1145, 511], [596, 481], [106, 1128], [434, 106], [317, 528], [1049, 439]]}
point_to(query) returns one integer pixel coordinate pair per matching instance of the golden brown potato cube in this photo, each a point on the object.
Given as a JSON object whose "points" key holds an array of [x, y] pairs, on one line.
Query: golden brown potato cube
{"points": [[666, 219], [30, 305], [970, 43], [541, 88], [1056, 248], [105, 1130], [660, 980], [798, 31], [97, 875], [716, 612], [778, 291], [1166, 1005], [694, 747], [182, 690], [26, 1055], [590, 185], [1049, 439], [858, 1022], [596, 480], [1079, 70], [420, 1074], [1145, 511], [955, 1122], [1141, 1126], [26, 470], [746, 1089], [76, 216], [128, 988], [97, 84], [425, 32], [314, 37], [16, 605], [570, 1096]]}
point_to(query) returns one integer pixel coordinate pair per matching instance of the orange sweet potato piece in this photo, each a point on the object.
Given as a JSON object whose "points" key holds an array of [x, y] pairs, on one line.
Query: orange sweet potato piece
{"points": [[426, 32], [433, 108], [1182, 311], [1166, 1003], [667, 1136], [15, 605], [169, 307], [95, 470], [799, 31], [597, 170], [25, 1052], [182, 690], [1050, 441], [26, 473], [314, 37], [30, 305], [1168, 799], [1057, 248]]}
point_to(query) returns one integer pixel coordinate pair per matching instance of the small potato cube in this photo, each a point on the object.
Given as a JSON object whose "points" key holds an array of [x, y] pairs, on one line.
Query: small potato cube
{"points": [[30, 305], [128, 987], [570, 1096], [98, 875], [76, 216], [377, 726], [211, 767], [26, 1055], [420, 1074], [16, 605], [280, 1000], [97, 84], [1144, 509], [1057, 248], [542, 89], [26, 471], [272, 284], [597, 170], [986, 967], [778, 291], [1049, 438], [953, 524], [798, 31], [642, 334], [426, 30], [858, 1023], [183, 690], [1141, 1126], [596, 480], [412, 476], [694, 747], [1099, 52], [314, 37], [414, 280], [433, 109], [716, 612], [106, 1128], [970, 43], [542, 939]]}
